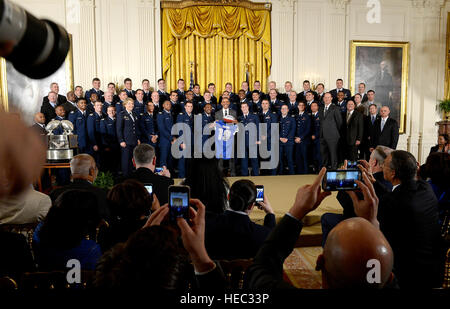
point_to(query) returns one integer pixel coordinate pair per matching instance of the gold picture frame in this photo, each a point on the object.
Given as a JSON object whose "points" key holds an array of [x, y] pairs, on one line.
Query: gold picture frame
{"points": [[384, 67], [4, 95]]}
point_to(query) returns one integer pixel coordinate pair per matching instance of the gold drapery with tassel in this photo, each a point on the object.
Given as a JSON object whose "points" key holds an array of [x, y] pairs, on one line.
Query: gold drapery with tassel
{"points": [[219, 38]]}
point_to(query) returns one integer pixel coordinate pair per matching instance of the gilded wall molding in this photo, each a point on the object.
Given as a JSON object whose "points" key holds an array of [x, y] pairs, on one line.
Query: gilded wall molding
{"points": [[237, 3]]}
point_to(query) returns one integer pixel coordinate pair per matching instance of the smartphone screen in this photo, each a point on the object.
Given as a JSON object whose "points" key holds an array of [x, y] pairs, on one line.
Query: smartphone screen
{"points": [[341, 180], [178, 202], [158, 169], [259, 193], [149, 188]]}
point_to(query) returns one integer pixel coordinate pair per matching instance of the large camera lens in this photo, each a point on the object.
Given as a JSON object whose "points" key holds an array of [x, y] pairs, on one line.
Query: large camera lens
{"points": [[42, 45]]}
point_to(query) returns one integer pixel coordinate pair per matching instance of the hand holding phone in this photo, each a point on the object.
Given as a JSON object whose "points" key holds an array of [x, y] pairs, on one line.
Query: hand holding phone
{"points": [[341, 180], [179, 202], [259, 195]]}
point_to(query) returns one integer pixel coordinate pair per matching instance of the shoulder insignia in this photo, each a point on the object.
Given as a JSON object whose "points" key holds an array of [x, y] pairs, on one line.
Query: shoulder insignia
{"points": [[72, 112], [91, 114]]}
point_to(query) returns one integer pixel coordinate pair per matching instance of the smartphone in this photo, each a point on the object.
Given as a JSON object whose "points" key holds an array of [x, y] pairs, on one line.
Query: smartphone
{"points": [[158, 170], [341, 180], [149, 188], [179, 202], [352, 164], [259, 193]]}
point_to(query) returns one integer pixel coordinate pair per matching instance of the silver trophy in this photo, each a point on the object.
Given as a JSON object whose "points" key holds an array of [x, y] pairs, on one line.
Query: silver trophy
{"points": [[60, 146]]}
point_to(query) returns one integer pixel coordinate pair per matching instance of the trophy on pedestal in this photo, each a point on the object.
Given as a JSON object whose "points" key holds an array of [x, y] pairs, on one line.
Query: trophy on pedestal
{"points": [[60, 146]]}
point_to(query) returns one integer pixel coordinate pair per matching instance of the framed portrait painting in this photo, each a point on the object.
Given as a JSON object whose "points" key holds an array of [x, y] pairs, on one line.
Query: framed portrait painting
{"points": [[23, 96], [383, 67]]}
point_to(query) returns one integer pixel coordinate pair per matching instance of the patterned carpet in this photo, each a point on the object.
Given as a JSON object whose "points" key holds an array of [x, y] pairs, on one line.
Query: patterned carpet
{"points": [[299, 268]]}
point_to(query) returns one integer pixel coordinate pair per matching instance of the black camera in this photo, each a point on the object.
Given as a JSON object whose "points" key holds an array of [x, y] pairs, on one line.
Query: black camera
{"points": [[41, 46]]}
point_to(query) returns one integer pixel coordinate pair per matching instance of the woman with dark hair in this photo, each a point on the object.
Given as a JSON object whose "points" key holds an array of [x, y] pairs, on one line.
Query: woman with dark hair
{"points": [[68, 232], [443, 144], [437, 171], [130, 204], [208, 185], [233, 235]]}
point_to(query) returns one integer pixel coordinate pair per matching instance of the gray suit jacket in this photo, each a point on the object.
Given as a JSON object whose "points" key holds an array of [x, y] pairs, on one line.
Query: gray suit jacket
{"points": [[219, 114], [330, 123]]}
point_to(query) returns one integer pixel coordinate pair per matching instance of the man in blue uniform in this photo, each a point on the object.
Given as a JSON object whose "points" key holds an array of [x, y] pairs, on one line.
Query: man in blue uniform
{"points": [[119, 105], [79, 118], [128, 135], [95, 89], [148, 125], [207, 100], [287, 134], [275, 103], [315, 137], [165, 123], [268, 117], [256, 102], [302, 132], [60, 115], [94, 134], [292, 103], [180, 90], [108, 101], [111, 151], [163, 95], [187, 117], [129, 88], [207, 119], [245, 119], [139, 104], [177, 106]]}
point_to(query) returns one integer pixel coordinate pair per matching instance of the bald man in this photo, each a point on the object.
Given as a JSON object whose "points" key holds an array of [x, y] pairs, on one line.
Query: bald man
{"points": [[347, 253], [386, 129], [39, 124], [84, 172], [349, 247]]}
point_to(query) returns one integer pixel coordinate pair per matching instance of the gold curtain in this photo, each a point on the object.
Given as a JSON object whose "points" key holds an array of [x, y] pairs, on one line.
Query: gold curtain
{"points": [[219, 39]]}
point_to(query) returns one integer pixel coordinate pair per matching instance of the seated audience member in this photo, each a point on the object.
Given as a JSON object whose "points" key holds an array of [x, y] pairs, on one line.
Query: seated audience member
{"points": [[68, 232], [344, 260], [233, 235], [409, 219], [375, 167], [153, 257], [208, 184], [30, 206], [144, 160], [130, 205], [16, 257], [84, 172], [437, 171], [443, 144]]}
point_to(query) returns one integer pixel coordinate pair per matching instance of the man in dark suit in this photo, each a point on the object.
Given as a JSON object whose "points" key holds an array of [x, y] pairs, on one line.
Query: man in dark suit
{"points": [[408, 217], [54, 87], [226, 111], [345, 249], [39, 124], [340, 88], [354, 131], [48, 107], [70, 105], [386, 129], [233, 235], [369, 131], [144, 159], [330, 124], [84, 172]]}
